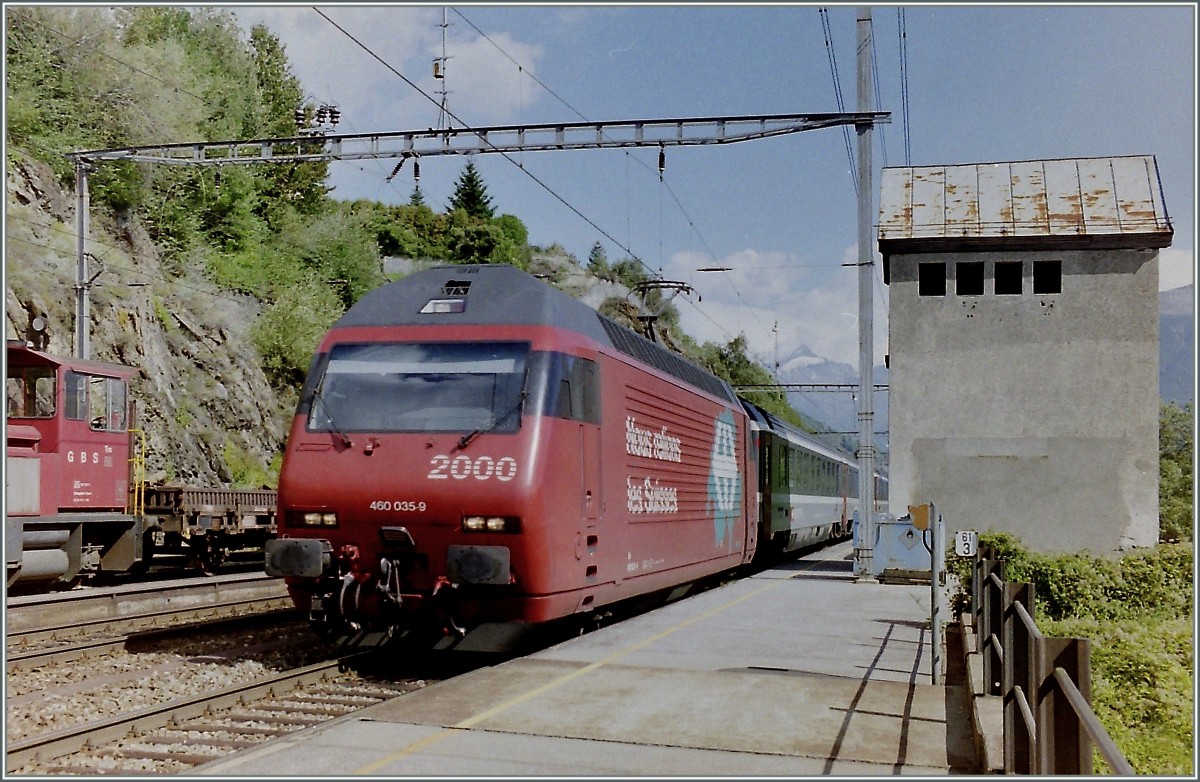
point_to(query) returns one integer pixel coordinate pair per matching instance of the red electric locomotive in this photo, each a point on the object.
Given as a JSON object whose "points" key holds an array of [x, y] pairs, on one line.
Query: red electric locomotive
{"points": [[473, 446]]}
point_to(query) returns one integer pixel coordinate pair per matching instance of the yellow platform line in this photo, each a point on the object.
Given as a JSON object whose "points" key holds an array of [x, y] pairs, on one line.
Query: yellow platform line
{"points": [[471, 722]]}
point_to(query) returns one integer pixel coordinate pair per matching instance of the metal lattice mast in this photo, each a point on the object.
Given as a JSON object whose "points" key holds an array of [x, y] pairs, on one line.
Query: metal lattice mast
{"points": [[864, 554], [502, 139]]}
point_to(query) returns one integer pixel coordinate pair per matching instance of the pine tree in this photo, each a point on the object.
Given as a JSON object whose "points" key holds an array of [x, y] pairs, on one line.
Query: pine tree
{"points": [[598, 261], [470, 194], [416, 199]]}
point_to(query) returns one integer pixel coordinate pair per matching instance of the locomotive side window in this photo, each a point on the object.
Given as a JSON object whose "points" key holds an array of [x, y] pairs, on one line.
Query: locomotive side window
{"points": [[101, 401], [563, 386], [106, 404], [77, 400], [419, 387], [30, 392]]}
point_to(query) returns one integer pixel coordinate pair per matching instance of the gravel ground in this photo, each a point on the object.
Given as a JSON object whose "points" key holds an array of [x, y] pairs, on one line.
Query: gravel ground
{"points": [[56, 696]]}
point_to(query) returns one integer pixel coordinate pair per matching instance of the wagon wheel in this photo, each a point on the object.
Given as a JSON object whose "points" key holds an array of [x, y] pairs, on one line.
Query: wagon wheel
{"points": [[211, 558]]}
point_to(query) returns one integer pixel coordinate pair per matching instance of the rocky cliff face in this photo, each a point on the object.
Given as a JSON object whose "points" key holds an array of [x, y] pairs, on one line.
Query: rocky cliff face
{"points": [[209, 415]]}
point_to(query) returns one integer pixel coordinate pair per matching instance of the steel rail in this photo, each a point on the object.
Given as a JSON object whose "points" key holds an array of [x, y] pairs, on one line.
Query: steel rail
{"points": [[26, 616], [55, 744], [21, 659], [125, 627]]}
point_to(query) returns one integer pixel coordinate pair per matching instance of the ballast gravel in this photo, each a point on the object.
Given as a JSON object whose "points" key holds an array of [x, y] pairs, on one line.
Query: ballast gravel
{"points": [[61, 695]]}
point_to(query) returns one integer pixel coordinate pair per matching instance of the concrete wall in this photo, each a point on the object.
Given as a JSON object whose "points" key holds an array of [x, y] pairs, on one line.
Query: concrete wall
{"points": [[1035, 414]]}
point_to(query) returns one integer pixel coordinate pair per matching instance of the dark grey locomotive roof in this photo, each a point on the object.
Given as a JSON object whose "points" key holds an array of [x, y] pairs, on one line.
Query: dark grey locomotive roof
{"points": [[495, 295]]}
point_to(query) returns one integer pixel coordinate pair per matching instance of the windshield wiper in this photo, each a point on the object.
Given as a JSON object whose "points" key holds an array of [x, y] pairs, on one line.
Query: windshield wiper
{"points": [[329, 414], [466, 439]]}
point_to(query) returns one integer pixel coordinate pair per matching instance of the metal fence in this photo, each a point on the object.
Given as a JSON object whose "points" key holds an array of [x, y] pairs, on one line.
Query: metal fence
{"points": [[1049, 725]]}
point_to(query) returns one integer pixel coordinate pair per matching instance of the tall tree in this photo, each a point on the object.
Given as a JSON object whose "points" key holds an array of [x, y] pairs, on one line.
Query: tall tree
{"points": [[598, 261], [417, 198], [470, 194]]}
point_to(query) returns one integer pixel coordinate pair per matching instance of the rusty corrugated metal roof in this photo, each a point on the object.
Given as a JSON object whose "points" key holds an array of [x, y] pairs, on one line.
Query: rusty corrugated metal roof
{"points": [[1085, 202]]}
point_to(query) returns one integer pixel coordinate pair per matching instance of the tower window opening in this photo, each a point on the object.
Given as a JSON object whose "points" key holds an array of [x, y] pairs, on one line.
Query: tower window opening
{"points": [[931, 279], [1008, 278], [1047, 276], [968, 278]]}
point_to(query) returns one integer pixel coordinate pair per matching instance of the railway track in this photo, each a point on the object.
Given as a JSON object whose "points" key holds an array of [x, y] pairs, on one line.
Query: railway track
{"points": [[87, 621], [188, 732]]}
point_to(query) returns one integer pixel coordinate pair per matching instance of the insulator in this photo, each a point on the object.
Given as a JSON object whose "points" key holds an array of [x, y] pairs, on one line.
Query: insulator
{"points": [[662, 162], [299, 116], [335, 115], [321, 112], [417, 170]]}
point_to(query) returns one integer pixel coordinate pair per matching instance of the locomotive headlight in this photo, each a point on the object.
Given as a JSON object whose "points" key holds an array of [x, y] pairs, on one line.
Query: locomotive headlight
{"points": [[491, 524], [313, 519]]}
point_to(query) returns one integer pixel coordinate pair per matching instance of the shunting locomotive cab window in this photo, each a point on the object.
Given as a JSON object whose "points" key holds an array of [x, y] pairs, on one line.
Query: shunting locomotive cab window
{"points": [[30, 392], [422, 387], [101, 401]]}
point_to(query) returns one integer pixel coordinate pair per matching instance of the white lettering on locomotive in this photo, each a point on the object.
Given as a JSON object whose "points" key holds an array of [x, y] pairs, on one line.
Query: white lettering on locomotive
{"points": [[404, 506], [461, 467], [651, 444], [647, 496]]}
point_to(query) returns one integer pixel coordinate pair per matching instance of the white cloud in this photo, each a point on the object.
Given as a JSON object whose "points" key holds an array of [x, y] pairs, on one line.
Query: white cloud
{"points": [[484, 85], [814, 306], [1176, 268]]}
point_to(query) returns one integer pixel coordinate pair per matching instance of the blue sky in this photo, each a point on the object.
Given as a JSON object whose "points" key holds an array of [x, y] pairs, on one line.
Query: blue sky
{"points": [[985, 84]]}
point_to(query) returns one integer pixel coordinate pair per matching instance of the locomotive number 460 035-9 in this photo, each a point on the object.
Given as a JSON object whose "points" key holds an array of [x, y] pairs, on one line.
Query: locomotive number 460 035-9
{"points": [[400, 505]]}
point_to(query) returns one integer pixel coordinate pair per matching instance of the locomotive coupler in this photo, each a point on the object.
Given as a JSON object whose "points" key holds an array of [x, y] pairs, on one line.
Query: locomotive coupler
{"points": [[443, 599]]}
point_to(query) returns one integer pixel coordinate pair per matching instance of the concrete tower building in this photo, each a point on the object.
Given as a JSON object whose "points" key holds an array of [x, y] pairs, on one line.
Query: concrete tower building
{"points": [[1023, 347]]}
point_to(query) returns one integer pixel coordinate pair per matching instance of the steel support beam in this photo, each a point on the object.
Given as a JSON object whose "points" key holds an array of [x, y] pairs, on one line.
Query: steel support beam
{"points": [[692, 131], [851, 387]]}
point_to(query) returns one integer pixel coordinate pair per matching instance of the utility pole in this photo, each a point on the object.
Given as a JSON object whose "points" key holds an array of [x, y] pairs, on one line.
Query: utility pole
{"points": [[439, 73], [83, 282], [865, 553]]}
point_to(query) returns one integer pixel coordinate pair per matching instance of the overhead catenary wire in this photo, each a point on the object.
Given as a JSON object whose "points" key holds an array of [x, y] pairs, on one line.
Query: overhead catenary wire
{"points": [[902, 34], [823, 12], [525, 71], [661, 162], [878, 100], [503, 154]]}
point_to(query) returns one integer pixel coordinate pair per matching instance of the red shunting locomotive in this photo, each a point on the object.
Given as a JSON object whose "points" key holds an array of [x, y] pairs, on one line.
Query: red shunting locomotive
{"points": [[76, 504], [473, 447]]}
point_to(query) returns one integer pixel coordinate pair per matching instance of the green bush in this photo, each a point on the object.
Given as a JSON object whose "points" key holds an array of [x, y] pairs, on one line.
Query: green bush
{"points": [[288, 332], [1176, 449], [1142, 688], [1137, 612]]}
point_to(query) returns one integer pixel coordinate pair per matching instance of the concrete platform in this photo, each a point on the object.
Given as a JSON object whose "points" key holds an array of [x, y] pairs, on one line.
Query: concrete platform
{"points": [[799, 671]]}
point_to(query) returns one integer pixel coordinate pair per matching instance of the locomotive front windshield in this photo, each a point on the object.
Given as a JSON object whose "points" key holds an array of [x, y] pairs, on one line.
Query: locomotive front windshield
{"points": [[418, 387]]}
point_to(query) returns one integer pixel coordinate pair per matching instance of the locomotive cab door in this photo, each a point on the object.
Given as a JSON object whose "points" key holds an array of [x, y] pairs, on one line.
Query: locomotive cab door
{"points": [[589, 455]]}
